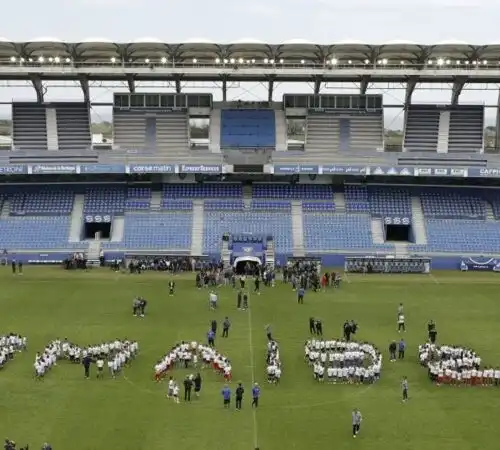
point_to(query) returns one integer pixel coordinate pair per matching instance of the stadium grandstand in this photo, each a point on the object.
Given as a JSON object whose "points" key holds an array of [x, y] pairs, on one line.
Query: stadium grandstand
{"points": [[339, 190]]}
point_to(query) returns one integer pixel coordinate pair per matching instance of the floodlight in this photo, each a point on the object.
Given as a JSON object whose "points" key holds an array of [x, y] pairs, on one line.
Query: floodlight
{"points": [[195, 60], [440, 61], [282, 61], [485, 62], [271, 61], [41, 59], [458, 62], [334, 61], [51, 59], [164, 60], [253, 61], [30, 60], [68, 60], [448, 62], [430, 62], [266, 60], [384, 61], [474, 63], [241, 61], [13, 59], [217, 60], [113, 60], [379, 61], [302, 61], [402, 63], [232, 60], [57, 60], [225, 61], [349, 62], [21, 59], [466, 63], [146, 60], [367, 61], [248, 61]]}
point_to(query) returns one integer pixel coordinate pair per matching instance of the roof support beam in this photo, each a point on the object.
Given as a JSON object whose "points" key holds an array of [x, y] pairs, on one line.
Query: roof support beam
{"points": [[84, 84], [458, 85], [131, 83], [178, 87], [270, 90], [317, 85], [39, 88], [365, 80], [224, 89], [411, 84]]}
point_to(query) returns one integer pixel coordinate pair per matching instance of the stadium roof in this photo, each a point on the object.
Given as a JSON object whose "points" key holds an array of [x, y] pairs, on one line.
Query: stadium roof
{"points": [[104, 50]]}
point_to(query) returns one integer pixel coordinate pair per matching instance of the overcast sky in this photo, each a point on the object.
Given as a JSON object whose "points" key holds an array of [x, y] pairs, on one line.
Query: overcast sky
{"points": [[323, 21]]}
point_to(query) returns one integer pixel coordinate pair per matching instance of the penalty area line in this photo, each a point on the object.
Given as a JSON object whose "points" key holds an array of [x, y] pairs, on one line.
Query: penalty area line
{"points": [[252, 368]]}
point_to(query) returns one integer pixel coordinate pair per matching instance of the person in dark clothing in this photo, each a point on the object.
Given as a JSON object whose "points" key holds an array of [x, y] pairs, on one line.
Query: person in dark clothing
{"points": [[431, 330], [225, 327], [239, 396], [245, 301], [319, 327], [312, 327], [239, 299], [401, 349], [142, 306], [213, 326], [13, 263], [347, 331], [20, 267], [257, 285], [392, 351], [197, 384], [188, 385], [87, 361]]}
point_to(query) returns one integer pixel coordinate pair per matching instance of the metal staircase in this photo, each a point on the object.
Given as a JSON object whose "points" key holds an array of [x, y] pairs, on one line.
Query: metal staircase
{"points": [[298, 229]]}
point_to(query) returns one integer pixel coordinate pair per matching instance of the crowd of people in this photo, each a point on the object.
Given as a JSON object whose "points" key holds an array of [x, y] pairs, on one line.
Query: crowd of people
{"points": [[273, 362], [342, 361], [115, 354], [9, 345], [190, 355], [456, 366]]}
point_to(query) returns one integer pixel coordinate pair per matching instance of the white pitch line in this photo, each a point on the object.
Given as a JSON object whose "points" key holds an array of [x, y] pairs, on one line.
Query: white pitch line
{"points": [[252, 368], [433, 278], [347, 279]]}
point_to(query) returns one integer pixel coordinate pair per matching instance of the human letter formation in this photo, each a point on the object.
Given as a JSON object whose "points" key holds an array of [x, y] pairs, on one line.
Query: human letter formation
{"points": [[456, 366], [343, 362]]}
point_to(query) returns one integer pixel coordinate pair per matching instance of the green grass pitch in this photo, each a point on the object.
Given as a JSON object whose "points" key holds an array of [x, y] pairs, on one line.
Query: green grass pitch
{"points": [[133, 413]]}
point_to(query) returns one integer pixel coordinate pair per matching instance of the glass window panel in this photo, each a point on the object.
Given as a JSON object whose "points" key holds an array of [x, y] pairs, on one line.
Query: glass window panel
{"points": [[122, 100], [314, 101], [205, 101], [301, 101], [180, 101], [288, 100], [362, 102], [152, 100], [167, 101], [193, 101], [137, 100], [354, 102], [343, 102]]}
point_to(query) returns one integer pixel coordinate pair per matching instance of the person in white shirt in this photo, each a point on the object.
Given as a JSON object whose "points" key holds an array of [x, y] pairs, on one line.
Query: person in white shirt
{"points": [[100, 366]]}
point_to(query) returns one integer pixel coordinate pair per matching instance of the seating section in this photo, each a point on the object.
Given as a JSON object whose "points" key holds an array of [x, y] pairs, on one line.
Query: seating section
{"points": [[452, 204], [129, 129], [206, 190], [138, 199], [44, 202], [466, 129], [276, 224], [221, 205], [390, 202], [323, 133], [318, 206], [104, 200], [29, 126], [293, 191], [327, 231], [35, 233], [366, 132], [177, 204], [422, 128], [172, 131], [166, 231], [271, 205], [248, 128], [460, 236], [73, 126]]}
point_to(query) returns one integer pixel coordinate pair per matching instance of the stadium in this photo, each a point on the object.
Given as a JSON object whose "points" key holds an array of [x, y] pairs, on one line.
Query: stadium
{"points": [[312, 177]]}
